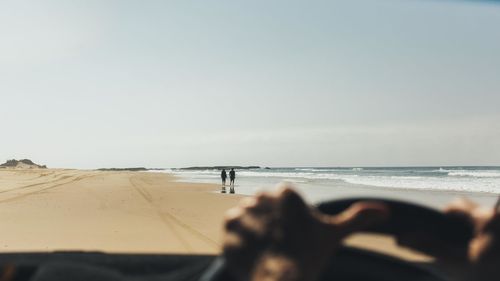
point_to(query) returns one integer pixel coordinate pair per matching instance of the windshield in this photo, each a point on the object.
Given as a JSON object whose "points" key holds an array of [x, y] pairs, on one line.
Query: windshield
{"points": [[132, 126]]}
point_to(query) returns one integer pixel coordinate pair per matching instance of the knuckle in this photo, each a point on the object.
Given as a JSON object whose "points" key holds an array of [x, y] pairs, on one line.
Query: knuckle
{"points": [[290, 199], [263, 197], [233, 224], [248, 202], [233, 242], [284, 186], [288, 193], [233, 214]]}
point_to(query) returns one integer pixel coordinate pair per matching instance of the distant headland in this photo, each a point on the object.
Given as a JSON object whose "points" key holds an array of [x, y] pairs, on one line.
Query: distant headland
{"points": [[134, 169], [22, 164], [220, 167]]}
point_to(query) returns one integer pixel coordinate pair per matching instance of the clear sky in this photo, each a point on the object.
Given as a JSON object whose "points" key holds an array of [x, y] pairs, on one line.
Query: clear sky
{"points": [[93, 83]]}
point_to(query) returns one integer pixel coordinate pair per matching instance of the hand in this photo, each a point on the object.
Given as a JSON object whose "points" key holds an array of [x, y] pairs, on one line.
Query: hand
{"points": [[276, 236], [480, 258]]}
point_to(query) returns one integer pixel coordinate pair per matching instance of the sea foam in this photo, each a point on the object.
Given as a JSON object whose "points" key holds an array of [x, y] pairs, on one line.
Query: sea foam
{"points": [[421, 178]]}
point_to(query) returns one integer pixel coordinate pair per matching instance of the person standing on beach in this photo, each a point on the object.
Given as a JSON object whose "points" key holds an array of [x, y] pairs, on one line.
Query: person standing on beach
{"points": [[223, 176], [232, 176]]}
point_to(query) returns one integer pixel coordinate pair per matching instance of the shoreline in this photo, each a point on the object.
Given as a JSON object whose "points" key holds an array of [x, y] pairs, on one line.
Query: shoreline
{"points": [[318, 192]]}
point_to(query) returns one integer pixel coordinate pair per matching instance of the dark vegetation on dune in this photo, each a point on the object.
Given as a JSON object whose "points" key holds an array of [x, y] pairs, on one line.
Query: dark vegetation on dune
{"points": [[14, 163]]}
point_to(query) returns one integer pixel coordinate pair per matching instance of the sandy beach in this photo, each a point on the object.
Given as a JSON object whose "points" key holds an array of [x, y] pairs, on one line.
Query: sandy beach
{"points": [[132, 212], [49, 210]]}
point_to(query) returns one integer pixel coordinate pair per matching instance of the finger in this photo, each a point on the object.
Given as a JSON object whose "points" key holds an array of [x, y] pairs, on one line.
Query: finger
{"points": [[486, 245], [233, 241], [242, 222], [242, 241], [233, 221], [245, 235], [266, 197], [288, 195], [359, 217], [459, 205], [493, 224], [292, 206], [264, 204], [248, 202], [233, 214], [469, 212]]}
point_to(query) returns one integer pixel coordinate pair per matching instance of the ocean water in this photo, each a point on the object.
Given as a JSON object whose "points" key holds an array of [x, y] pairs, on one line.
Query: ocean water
{"points": [[329, 182]]}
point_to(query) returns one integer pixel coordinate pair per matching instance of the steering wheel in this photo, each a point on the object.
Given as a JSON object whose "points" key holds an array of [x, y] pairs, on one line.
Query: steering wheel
{"points": [[355, 264]]}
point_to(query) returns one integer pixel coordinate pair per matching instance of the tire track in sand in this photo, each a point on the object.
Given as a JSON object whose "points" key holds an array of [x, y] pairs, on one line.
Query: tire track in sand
{"points": [[34, 184], [170, 220], [147, 196], [27, 194]]}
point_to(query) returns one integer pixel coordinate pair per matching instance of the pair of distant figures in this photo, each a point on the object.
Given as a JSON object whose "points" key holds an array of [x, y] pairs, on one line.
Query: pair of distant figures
{"points": [[232, 176]]}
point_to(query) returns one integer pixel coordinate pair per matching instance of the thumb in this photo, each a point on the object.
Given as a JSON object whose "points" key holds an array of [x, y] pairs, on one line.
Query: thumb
{"points": [[359, 217]]}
